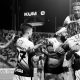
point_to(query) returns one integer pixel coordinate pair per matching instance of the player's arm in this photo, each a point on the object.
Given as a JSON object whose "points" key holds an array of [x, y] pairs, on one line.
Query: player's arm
{"points": [[33, 48], [8, 43], [66, 22], [36, 46], [62, 30]]}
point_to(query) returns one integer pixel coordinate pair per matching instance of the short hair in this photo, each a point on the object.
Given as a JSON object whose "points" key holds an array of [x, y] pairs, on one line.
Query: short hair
{"points": [[75, 4], [25, 26]]}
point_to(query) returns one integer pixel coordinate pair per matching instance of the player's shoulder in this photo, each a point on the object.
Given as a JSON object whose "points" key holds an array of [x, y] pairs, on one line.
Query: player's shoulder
{"points": [[70, 16], [21, 39], [67, 18]]}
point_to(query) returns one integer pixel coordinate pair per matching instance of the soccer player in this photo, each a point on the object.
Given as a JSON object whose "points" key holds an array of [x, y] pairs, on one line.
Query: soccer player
{"points": [[22, 71]]}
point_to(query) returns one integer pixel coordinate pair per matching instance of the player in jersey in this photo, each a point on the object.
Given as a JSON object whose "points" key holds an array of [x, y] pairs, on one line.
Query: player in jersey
{"points": [[75, 16], [25, 47], [72, 21], [55, 53], [72, 27]]}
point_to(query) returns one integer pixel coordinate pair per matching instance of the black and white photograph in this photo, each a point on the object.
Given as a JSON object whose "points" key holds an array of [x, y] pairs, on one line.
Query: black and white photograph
{"points": [[40, 40]]}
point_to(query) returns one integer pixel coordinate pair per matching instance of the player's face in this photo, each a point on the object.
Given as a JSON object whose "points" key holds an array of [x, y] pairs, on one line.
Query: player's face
{"points": [[30, 32], [76, 11]]}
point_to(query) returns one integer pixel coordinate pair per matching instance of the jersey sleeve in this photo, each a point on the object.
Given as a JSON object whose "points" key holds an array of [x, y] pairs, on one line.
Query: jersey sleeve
{"points": [[66, 21], [31, 46], [21, 44]]}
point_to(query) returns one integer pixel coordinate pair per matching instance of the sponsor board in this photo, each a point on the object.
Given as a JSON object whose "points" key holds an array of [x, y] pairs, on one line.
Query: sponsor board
{"points": [[6, 73]]}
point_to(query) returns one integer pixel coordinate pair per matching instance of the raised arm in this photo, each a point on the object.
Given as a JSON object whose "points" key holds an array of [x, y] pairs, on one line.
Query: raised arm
{"points": [[36, 46], [8, 43], [63, 30]]}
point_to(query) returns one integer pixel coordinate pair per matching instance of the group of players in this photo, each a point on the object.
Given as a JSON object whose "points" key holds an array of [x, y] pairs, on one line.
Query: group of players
{"points": [[65, 43]]}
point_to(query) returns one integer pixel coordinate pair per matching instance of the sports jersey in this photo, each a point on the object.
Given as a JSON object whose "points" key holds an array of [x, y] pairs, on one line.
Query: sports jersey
{"points": [[23, 64], [74, 42], [73, 25]]}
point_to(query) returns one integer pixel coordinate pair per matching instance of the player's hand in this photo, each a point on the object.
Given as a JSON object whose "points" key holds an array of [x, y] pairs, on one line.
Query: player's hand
{"points": [[39, 44]]}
